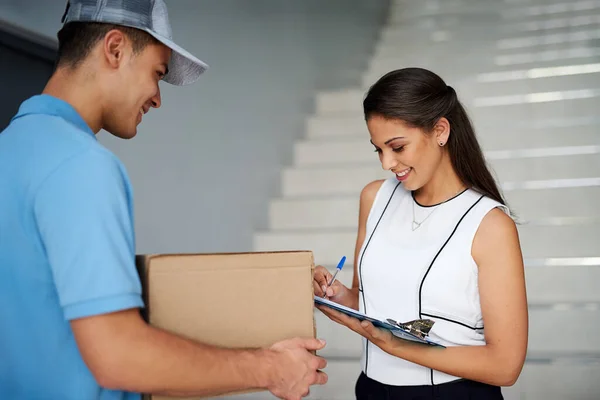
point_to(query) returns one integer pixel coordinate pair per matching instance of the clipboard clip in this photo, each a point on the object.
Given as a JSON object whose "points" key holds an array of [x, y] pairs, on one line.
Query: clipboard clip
{"points": [[417, 327]]}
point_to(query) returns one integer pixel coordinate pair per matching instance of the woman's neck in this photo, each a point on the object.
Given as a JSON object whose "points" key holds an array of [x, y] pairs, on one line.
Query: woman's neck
{"points": [[444, 185]]}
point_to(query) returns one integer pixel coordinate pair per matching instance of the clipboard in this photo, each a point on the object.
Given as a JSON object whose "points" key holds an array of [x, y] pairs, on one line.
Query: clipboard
{"points": [[396, 331]]}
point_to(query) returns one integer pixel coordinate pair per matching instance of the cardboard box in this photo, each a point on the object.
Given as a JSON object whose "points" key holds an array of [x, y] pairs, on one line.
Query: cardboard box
{"points": [[233, 299]]}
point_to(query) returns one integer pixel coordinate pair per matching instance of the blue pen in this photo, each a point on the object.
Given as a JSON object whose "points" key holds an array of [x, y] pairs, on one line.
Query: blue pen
{"points": [[338, 269]]}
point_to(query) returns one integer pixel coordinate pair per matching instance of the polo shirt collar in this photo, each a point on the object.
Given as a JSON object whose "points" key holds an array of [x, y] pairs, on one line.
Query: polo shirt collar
{"points": [[50, 105]]}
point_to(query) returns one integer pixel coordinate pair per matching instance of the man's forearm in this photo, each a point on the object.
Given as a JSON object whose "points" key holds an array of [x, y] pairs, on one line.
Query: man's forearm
{"points": [[177, 366], [144, 359]]}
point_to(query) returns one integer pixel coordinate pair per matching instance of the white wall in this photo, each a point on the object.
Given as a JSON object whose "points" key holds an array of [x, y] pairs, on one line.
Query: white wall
{"points": [[205, 165]]}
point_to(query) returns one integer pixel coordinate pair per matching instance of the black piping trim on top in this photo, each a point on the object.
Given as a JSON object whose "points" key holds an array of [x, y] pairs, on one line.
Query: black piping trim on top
{"points": [[435, 258], [451, 320], [432, 391], [437, 204], [360, 287]]}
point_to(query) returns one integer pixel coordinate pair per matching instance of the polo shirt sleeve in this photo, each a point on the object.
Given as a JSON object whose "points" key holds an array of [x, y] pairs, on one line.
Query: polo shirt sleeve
{"points": [[84, 218]]}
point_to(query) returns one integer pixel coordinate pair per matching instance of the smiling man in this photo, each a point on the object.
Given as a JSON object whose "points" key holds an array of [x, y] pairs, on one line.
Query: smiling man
{"points": [[70, 326]]}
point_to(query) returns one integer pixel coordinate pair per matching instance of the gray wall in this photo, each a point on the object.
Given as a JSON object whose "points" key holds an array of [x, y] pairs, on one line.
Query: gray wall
{"points": [[205, 165], [22, 73]]}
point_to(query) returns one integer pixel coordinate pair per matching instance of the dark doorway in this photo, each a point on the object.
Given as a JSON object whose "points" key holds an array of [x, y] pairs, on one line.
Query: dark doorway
{"points": [[26, 63]]}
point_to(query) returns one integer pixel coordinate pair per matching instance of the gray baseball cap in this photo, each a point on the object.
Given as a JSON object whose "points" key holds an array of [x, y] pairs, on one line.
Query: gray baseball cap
{"points": [[147, 15]]}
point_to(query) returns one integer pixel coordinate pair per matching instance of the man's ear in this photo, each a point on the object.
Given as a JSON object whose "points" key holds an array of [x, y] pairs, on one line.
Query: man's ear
{"points": [[114, 47]]}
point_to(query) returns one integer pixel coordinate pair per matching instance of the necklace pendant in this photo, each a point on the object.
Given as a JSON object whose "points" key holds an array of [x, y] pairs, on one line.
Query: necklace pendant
{"points": [[415, 225]]}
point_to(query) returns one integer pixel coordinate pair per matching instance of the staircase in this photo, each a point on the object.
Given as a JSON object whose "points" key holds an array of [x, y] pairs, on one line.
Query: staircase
{"points": [[529, 75]]}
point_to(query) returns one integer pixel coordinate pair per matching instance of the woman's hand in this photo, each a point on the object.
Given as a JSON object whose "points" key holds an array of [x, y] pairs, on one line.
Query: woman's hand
{"points": [[340, 294], [382, 338], [337, 292]]}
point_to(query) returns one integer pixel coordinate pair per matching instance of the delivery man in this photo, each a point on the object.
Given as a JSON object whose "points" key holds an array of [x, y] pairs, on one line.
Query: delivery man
{"points": [[69, 291]]}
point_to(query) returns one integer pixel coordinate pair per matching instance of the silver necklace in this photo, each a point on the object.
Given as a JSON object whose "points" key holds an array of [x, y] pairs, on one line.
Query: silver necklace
{"points": [[416, 225]]}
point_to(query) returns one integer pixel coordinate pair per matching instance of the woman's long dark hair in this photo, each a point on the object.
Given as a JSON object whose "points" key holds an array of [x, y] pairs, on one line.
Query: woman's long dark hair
{"points": [[419, 98]]}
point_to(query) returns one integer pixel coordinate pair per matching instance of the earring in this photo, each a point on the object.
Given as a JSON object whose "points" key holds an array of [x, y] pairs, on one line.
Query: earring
{"points": [[441, 144]]}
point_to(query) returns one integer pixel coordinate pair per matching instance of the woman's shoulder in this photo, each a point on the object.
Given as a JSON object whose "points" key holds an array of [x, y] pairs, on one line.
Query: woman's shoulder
{"points": [[370, 190], [380, 187], [495, 223], [495, 235], [485, 203]]}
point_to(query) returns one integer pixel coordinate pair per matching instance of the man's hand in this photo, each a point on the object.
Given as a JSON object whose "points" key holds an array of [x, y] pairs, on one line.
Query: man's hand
{"points": [[295, 369]]}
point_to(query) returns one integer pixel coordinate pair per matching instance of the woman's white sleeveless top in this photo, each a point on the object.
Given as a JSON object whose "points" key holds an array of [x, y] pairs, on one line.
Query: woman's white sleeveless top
{"points": [[406, 274]]}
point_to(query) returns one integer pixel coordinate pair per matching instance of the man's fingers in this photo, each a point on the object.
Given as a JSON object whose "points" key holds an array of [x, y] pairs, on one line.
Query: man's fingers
{"points": [[310, 343], [321, 378], [318, 363], [322, 363]]}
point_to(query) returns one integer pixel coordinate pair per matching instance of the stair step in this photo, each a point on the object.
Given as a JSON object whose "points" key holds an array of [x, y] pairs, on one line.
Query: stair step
{"points": [[569, 91], [452, 28], [336, 127], [360, 150], [446, 28], [326, 180], [492, 134], [318, 152], [548, 285], [548, 39], [567, 78], [494, 131], [488, 23], [340, 101], [536, 242], [535, 206], [458, 9], [553, 23], [581, 132], [557, 380], [527, 3], [535, 106], [443, 50], [474, 63], [547, 331], [561, 380], [549, 57], [443, 46], [552, 10]]}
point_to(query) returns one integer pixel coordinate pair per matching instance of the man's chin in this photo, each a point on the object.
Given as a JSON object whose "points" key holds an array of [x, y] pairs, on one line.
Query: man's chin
{"points": [[123, 134]]}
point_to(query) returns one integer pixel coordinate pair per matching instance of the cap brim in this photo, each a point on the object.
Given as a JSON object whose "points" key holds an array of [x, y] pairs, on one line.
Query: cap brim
{"points": [[184, 68]]}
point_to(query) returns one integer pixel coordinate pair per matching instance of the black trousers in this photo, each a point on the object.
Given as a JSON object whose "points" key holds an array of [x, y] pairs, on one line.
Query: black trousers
{"points": [[369, 389]]}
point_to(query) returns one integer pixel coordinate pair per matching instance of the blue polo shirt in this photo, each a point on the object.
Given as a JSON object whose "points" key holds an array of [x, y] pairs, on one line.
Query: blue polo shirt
{"points": [[67, 249]]}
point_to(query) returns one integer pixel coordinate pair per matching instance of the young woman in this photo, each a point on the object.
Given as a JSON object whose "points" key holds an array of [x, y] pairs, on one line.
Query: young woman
{"points": [[435, 241]]}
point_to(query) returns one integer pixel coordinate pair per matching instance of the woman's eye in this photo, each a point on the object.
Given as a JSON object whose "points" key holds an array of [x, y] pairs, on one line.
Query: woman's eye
{"points": [[398, 149], [377, 150]]}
